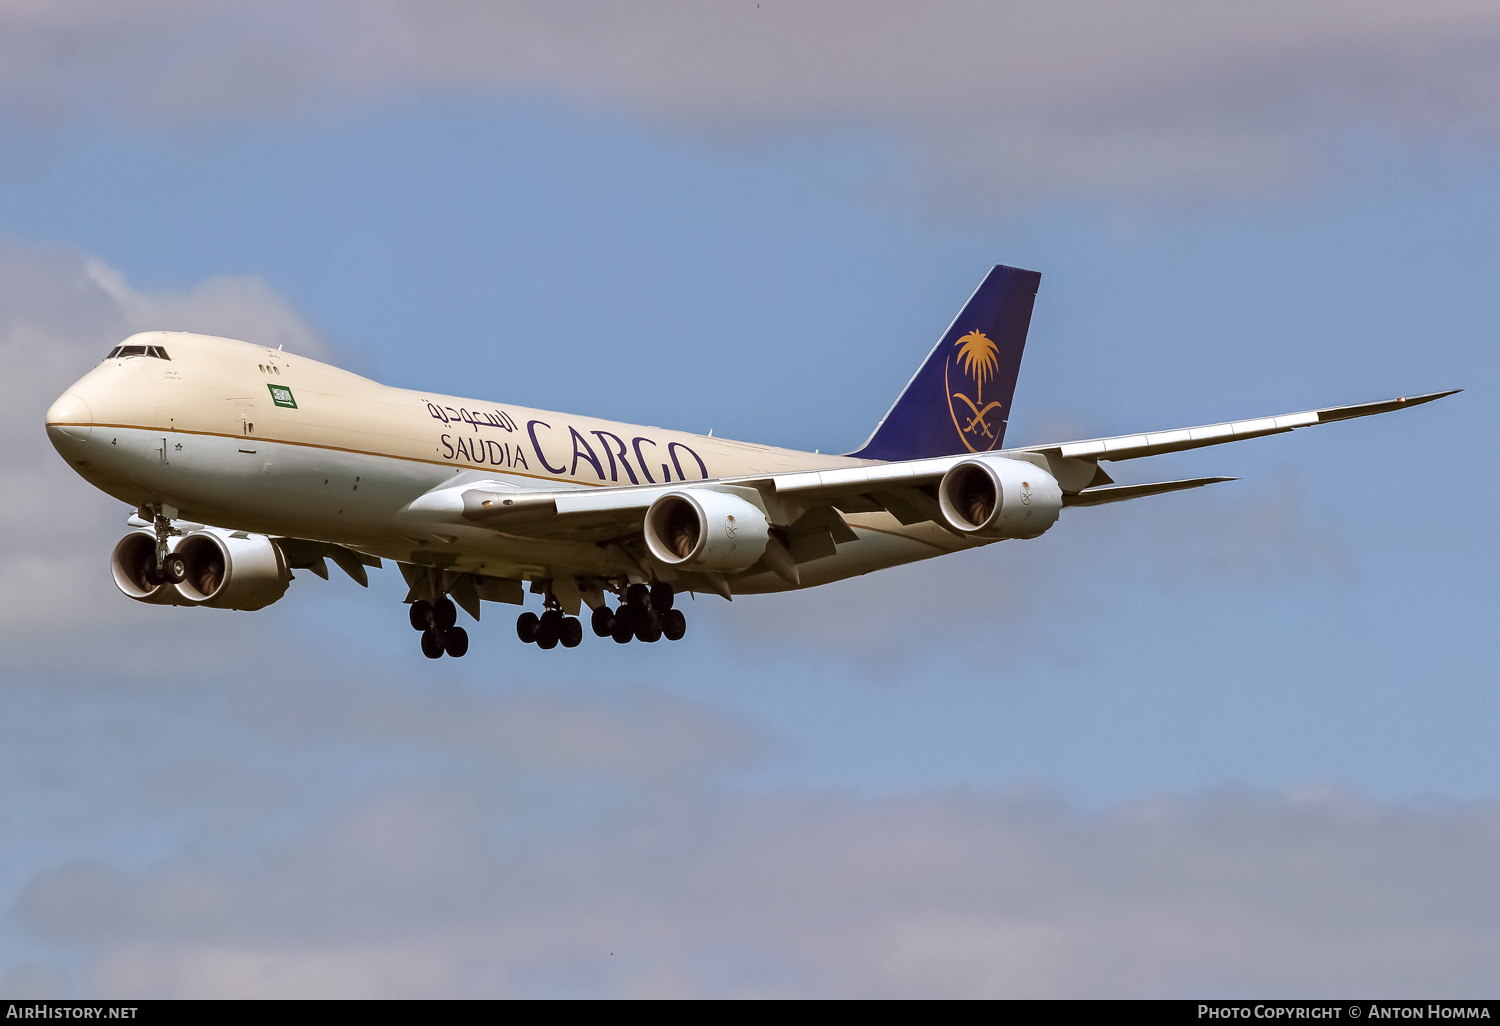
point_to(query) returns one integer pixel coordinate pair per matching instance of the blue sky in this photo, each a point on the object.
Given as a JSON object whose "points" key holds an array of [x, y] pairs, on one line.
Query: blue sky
{"points": [[1303, 657]]}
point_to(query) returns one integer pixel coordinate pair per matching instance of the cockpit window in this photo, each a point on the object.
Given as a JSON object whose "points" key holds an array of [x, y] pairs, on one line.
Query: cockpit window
{"points": [[155, 352]]}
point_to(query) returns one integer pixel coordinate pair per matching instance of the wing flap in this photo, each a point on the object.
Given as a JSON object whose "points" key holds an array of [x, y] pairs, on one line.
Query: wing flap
{"points": [[311, 555]]}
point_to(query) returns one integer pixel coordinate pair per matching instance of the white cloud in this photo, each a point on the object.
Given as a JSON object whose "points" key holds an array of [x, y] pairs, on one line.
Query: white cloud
{"points": [[416, 892], [244, 307], [1007, 98]]}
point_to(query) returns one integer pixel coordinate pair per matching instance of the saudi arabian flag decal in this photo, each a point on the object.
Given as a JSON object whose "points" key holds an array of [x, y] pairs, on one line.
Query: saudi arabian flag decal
{"points": [[282, 396]]}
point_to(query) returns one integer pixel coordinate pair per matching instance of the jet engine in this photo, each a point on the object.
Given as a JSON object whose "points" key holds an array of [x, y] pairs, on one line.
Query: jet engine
{"points": [[704, 529], [994, 497], [133, 564], [232, 570]]}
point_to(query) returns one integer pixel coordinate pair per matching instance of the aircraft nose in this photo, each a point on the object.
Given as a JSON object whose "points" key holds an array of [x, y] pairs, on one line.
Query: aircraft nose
{"points": [[69, 421]]}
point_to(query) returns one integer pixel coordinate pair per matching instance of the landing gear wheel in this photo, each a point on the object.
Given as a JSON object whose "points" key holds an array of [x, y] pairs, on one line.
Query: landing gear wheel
{"points": [[673, 625], [526, 627], [444, 613], [153, 577], [603, 622], [638, 595], [571, 634], [549, 629], [420, 612], [648, 630], [174, 569], [432, 644], [455, 641], [661, 596], [624, 628]]}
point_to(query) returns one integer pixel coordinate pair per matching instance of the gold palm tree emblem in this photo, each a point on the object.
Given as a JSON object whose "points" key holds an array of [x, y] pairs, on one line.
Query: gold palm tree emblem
{"points": [[979, 357]]}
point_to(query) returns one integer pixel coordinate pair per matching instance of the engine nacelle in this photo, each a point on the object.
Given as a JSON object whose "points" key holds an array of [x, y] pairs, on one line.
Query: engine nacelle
{"points": [[232, 570], [704, 529], [131, 564], [995, 497]]}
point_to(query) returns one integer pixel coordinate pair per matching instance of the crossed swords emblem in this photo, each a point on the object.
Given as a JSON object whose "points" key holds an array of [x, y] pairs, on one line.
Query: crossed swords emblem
{"points": [[978, 419]]}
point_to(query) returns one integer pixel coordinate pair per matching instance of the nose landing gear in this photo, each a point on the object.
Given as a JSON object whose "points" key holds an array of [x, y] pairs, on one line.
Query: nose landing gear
{"points": [[173, 570], [168, 567]]}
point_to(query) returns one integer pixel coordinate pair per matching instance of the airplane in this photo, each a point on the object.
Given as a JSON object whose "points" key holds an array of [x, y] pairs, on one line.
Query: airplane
{"points": [[244, 463]]}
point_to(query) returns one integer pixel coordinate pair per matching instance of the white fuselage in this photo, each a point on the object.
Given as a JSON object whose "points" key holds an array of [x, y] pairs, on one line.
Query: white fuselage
{"points": [[252, 439]]}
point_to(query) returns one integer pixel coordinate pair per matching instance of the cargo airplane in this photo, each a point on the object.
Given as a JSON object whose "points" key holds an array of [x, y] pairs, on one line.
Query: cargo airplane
{"points": [[244, 463]]}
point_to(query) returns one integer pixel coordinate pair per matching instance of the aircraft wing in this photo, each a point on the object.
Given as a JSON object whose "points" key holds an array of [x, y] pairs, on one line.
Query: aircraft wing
{"points": [[905, 489], [1074, 464], [1129, 447]]}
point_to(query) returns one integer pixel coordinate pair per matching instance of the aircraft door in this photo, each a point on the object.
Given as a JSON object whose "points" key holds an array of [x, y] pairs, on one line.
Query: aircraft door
{"points": [[244, 417]]}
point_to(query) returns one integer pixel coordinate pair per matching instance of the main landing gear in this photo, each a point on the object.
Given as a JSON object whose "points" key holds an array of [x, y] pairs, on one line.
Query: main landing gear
{"points": [[436, 621], [645, 615], [549, 629]]}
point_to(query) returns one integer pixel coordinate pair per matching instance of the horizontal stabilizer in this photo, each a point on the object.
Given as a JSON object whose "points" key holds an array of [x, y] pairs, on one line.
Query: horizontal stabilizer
{"points": [[1119, 493]]}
